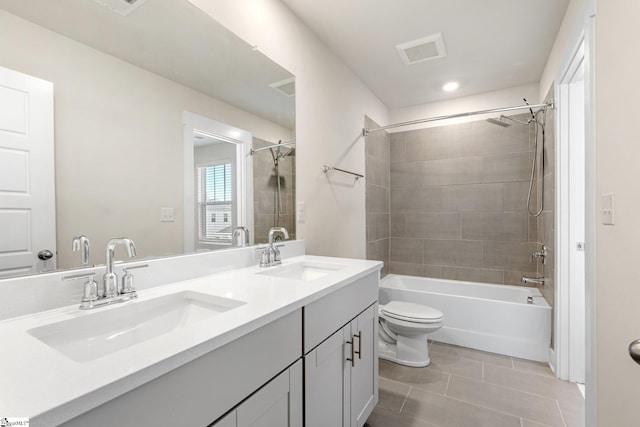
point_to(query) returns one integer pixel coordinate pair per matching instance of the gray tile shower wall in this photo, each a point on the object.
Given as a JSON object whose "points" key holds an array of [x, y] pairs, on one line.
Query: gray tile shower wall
{"points": [[265, 196], [377, 176], [458, 202]]}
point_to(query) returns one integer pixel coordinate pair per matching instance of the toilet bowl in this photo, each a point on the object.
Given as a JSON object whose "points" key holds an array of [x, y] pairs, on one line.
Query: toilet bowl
{"points": [[403, 329]]}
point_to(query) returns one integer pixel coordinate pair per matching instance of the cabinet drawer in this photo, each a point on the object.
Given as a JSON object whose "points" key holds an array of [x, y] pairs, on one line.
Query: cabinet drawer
{"points": [[326, 315]]}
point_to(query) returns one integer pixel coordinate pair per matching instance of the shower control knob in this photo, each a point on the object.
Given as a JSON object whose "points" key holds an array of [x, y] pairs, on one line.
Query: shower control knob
{"points": [[634, 351]]}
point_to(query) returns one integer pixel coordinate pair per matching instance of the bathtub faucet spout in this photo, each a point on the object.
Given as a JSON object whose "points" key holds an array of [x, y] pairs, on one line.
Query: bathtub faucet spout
{"points": [[533, 280]]}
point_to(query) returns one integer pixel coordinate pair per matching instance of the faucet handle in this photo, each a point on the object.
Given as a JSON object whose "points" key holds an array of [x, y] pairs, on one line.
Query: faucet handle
{"points": [[90, 289], [127, 280], [265, 258], [276, 253]]}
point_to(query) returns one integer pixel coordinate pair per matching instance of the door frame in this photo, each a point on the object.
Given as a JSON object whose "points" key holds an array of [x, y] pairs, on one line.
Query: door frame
{"points": [[582, 34], [570, 217], [244, 170]]}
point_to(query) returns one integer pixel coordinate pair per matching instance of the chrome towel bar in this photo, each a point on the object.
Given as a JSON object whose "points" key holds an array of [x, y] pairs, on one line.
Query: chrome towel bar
{"points": [[326, 169]]}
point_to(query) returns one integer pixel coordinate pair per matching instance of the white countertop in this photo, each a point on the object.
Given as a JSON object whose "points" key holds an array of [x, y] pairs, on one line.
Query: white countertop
{"points": [[48, 387]]}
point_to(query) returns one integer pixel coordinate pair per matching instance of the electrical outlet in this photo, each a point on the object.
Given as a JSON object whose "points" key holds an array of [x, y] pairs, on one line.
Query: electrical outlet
{"points": [[300, 212], [166, 215]]}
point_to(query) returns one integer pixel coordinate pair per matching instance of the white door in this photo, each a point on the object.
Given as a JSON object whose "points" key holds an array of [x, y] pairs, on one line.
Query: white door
{"points": [[27, 188]]}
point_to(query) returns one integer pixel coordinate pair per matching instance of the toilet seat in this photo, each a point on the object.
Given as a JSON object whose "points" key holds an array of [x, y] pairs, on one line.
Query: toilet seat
{"points": [[410, 312]]}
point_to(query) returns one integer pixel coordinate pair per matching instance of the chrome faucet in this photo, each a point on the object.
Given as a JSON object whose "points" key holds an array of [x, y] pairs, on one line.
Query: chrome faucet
{"points": [[111, 288], [236, 233], [81, 242], [533, 280], [113, 293], [271, 254]]}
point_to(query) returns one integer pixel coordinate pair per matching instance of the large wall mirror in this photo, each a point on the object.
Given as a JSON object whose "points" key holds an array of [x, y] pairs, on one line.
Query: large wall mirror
{"points": [[125, 83]]}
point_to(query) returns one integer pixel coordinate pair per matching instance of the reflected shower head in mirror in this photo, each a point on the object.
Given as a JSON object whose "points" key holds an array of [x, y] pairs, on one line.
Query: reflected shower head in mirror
{"points": [[290, 153]]}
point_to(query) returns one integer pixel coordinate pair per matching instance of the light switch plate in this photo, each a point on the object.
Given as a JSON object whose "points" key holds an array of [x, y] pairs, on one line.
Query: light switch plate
{"points": [[608, 210], [166, 215]]}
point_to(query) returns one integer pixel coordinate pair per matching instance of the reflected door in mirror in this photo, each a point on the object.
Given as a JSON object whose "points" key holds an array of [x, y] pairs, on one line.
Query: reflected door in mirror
{"points": [[27, 199]]}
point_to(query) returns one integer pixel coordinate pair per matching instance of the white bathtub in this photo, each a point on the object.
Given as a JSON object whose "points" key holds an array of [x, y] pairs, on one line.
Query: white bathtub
{"points": [[494, 318]]}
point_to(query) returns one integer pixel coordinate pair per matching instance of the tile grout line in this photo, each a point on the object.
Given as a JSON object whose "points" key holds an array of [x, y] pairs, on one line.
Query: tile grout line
{"points": [[534, 421], [482, 371], [561, 414], [454, 352], [446, 389], [522, 391], [405, 399], [525, 391], [476, 404], [482, 405]]}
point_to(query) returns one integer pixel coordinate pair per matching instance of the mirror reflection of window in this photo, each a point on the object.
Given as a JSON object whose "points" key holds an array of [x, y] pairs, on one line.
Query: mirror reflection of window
{"points": [[215, 201]]}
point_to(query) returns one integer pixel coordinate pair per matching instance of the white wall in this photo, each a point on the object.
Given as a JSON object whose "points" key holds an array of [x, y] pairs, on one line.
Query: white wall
{"points": [[118, 140], [484, 101], [617, 154], [330, 106], [563, 42]]}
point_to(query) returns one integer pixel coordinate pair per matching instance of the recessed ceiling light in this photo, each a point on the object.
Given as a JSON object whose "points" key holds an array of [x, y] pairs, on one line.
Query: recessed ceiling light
{"points": [[451, 86]]}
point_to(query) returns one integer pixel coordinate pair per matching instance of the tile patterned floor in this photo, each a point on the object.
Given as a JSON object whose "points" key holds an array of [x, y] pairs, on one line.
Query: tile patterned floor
{"points": [[470, 388]]}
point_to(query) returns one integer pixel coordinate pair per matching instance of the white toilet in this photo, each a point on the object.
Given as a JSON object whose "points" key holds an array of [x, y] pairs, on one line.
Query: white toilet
{"points": [[403, 329]]}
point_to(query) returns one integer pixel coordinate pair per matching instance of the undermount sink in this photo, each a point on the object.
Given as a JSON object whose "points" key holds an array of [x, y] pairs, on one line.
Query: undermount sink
{"points": [[94, 335], [306, 271]]}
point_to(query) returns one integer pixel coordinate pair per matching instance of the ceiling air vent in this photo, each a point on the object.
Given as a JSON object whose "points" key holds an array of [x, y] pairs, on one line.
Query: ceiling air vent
{"points": [[121, 7], [288, 86], [424, 49]]}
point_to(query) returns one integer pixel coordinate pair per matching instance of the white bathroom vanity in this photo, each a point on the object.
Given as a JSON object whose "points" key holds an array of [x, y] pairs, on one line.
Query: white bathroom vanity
{"points": [[290, 345]]}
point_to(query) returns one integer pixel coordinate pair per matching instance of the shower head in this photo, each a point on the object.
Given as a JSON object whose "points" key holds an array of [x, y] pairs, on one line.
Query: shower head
{"points": [[499, 121]]}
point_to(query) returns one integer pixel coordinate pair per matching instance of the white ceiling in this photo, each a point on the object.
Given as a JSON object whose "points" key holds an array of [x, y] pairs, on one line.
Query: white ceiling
{"points": [[491, 44]]}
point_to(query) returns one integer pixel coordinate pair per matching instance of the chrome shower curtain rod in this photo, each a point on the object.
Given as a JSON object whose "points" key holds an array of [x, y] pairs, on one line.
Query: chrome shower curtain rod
{"points": [[365, 131], [283, 144]]}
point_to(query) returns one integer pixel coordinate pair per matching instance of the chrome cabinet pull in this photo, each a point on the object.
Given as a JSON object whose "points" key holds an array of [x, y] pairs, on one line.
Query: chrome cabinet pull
{"points": [[634, 351], [359, 352], [352, 359]]}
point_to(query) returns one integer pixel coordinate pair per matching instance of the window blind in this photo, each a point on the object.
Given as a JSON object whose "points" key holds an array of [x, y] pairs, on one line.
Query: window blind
{"points": [[215, 201]]}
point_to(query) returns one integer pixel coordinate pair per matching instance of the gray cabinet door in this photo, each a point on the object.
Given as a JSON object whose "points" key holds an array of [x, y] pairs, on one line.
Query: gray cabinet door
{"points": [[364, 373], [327, 382], [277, 404]]}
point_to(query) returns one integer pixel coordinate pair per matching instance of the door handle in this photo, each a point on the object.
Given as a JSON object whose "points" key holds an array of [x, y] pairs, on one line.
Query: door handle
{"points": [[634, 351], [45, 254]]}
